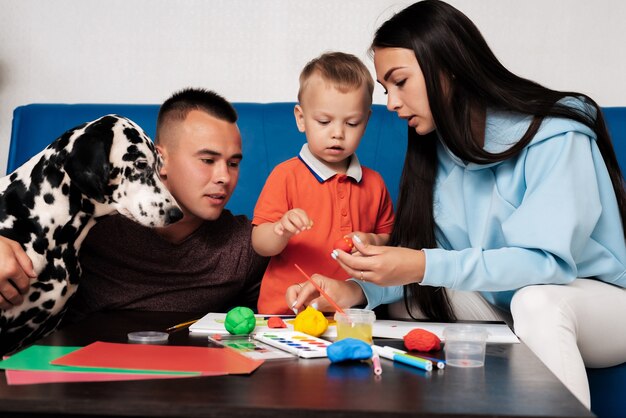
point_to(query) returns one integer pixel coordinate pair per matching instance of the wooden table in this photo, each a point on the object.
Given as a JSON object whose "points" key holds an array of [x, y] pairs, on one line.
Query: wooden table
{"points": [[512, 383]]}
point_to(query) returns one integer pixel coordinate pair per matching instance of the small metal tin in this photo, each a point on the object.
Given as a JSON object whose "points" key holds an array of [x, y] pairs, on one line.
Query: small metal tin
{"points": [[148, 337]]}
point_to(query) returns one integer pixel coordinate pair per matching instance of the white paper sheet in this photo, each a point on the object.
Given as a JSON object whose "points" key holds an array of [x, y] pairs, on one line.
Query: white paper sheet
{"points": [[498, 332]]}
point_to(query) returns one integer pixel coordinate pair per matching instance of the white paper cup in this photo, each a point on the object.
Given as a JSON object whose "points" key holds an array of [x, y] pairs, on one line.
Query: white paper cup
{"points": [[464, 345]]}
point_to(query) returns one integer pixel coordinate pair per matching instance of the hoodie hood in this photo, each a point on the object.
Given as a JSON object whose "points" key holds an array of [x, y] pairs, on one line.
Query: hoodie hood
{"points": [[503, 129]]}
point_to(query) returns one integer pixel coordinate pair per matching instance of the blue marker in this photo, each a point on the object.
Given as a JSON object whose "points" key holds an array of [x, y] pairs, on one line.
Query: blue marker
{"points": [[441, 364], [397, 355]]}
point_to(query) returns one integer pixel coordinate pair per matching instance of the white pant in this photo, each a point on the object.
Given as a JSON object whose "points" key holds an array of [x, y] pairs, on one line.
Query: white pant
{"points": [[572, 326], [567, 326]]}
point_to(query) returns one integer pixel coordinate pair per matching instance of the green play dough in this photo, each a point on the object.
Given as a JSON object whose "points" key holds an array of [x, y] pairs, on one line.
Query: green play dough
{"points": [[240, 321]]}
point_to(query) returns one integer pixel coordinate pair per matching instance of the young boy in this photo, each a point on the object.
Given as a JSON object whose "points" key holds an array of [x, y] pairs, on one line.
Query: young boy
{"points": [[324, 194]]}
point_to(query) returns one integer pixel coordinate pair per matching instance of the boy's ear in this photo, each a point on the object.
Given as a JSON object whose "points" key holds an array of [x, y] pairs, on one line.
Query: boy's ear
{"points": [[299, 114]]}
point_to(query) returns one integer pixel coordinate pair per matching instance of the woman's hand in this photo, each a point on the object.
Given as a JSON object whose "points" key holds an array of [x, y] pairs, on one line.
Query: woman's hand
{"points": [[345, 294], [16, 270], [384, 266]]}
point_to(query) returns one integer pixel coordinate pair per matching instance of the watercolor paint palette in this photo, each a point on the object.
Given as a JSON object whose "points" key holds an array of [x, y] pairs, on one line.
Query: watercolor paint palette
{"points": [[294, 342], [247, 346]]}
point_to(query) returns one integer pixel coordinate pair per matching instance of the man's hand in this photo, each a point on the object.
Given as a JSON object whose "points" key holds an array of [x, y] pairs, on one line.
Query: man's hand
{"points": [[16, 270]]}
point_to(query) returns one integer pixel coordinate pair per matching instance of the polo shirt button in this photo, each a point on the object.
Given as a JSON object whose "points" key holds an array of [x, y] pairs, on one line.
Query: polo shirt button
{"points": [[341, 195], [344, 212]]}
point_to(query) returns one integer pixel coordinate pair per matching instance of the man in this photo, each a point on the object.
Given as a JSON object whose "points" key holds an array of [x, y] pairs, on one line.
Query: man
{"points": [[202, 263]]}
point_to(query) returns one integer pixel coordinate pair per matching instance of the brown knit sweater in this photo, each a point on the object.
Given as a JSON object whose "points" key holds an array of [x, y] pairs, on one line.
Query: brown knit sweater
{"points": [[128, 266]]}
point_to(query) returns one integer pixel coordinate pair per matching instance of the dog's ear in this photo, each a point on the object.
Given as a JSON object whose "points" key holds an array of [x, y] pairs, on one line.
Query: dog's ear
{"points": [[88, 163]]}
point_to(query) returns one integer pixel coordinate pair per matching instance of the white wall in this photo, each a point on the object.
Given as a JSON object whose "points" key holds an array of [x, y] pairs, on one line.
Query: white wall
{"points": [[140, 51]]}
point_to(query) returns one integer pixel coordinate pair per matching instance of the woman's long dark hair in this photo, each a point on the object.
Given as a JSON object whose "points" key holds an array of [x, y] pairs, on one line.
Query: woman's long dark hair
{"points": [[463, 80]]}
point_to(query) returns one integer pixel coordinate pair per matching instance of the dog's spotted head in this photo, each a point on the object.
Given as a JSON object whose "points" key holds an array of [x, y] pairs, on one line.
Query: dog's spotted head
{"points": [[114, 163]]}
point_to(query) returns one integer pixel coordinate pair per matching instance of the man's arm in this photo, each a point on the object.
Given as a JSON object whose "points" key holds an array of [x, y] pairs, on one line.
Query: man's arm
{"points": [[16, 270]]}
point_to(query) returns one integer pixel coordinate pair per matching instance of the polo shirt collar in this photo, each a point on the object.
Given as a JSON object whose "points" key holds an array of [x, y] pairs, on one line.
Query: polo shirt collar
{"points": [[322, 172]]}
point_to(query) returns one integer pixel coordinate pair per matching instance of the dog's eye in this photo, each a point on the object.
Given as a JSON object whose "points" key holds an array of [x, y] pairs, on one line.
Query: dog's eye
{"points": [[141, 164]]}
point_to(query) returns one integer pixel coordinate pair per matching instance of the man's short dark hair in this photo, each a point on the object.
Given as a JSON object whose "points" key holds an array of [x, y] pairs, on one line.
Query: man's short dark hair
{"points": [[182, 102]]}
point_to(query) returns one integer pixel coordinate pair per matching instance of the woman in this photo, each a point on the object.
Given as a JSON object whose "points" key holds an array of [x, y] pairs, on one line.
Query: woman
{"points": [[507, 185]]}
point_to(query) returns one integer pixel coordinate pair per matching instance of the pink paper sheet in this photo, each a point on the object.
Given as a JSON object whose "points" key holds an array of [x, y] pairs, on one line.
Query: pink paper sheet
{"points": [[25, 377]]}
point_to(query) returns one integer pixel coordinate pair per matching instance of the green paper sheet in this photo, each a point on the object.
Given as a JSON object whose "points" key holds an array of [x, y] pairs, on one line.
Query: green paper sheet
{"points": [[38, 358]]}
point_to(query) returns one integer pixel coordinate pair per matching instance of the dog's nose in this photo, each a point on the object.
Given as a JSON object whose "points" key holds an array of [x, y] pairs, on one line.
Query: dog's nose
{"points": [[173, 215]]}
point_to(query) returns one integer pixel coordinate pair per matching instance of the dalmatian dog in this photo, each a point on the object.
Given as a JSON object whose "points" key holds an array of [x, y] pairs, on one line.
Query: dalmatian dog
{"points": [[49, 204]]}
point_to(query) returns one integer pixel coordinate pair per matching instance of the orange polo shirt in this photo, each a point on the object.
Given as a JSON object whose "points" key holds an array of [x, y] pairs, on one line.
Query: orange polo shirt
{"points": [[336, 203]]}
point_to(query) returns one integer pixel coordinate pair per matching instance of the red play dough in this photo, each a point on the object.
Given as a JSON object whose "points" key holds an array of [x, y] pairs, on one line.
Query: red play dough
{"points": [[276, 322], [421, 340], [344, 244]]}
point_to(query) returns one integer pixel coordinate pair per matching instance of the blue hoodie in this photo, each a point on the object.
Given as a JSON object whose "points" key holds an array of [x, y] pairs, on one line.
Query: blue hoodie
{"points": [[545, 216]]}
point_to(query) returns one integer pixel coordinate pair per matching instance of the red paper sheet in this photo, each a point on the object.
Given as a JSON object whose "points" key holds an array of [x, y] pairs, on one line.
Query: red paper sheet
{"points": [[160, 357]]}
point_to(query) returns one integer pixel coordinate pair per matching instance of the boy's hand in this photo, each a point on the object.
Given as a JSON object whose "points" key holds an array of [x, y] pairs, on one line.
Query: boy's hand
{"points": [[345, 294], [344, 244], [293, 222], [369, 239]]}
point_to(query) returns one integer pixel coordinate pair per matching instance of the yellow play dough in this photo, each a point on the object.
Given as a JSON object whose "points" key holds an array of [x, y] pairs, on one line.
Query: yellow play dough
{"points": [[311, 321]]}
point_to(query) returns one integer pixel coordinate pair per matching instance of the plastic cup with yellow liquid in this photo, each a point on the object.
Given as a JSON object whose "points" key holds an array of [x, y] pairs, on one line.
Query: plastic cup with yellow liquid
{"points": [[356, 323]]}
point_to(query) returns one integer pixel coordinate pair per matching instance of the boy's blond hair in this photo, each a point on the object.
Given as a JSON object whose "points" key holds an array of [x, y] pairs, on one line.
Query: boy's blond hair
{"points": [[345, 71]]}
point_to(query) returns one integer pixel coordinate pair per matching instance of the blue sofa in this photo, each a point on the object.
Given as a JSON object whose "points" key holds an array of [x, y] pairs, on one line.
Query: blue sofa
{"points": [[268, 130], [269, 137]]}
